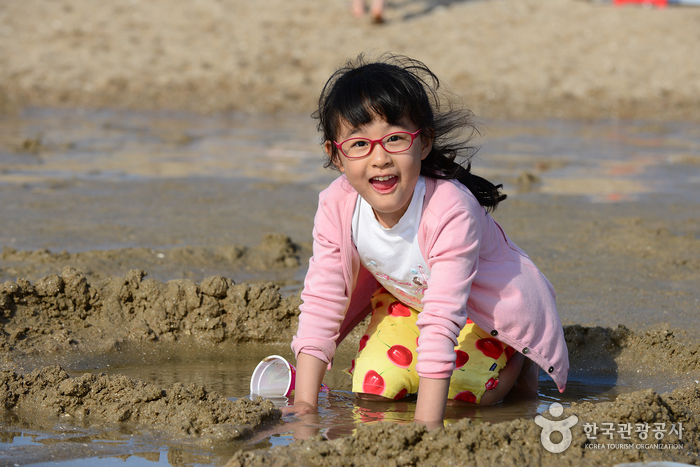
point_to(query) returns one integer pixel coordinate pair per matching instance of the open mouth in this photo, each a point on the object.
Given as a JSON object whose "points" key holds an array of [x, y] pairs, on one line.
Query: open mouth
{"points": [[384, 183]]}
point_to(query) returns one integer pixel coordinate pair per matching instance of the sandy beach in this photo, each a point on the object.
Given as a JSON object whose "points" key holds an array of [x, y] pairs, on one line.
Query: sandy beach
{"points": [[507, 59], [127, 230]]}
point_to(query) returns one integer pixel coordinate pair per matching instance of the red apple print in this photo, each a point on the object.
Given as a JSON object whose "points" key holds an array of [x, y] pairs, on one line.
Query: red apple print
{"points": [[466, 396], [399, 309], [462, 358], [400, 356], [402, 393], [363, 342], [469, 321], [509, 352], [373, 383], [491, 384], [490, 347]]}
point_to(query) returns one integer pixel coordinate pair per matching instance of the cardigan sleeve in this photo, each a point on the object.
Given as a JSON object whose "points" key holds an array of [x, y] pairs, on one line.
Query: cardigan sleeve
{"points": [[325, 298], [452, 253]]}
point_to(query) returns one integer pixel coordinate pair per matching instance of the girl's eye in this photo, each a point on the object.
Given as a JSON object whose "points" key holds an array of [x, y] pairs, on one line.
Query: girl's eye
{"points": [[358, 143], [396, 137], [398, 141]]}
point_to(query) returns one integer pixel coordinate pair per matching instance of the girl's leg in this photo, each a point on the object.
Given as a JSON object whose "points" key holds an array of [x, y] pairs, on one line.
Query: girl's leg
{"points": [[487, 370], [507, 378], [377, 11], [528, 381], [384, 368]]}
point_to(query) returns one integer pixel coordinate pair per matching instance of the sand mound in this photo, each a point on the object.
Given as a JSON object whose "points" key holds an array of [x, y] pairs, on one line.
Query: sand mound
{"points": [[59, 313], [49, 394]]}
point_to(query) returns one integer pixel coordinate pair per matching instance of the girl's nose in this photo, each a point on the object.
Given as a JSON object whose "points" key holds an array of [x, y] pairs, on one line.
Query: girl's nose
{"points": [[379, 156]]}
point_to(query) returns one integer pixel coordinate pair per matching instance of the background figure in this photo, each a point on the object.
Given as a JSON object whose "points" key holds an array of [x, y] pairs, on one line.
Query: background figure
{"points": [[376, 10]]}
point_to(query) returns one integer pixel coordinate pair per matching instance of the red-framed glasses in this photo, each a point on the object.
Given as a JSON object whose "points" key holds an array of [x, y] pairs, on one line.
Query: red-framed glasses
{"points": [[357, 148]]}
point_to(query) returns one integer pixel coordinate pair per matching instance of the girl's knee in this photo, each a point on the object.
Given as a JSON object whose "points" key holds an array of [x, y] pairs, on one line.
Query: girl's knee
{"points": [[507, 378]]}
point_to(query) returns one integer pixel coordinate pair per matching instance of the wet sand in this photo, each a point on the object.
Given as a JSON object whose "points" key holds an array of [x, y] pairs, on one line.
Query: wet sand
{"points": [[59, 316], [195, 269]]}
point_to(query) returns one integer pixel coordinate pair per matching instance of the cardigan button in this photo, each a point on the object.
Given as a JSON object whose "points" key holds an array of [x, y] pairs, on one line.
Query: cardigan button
{"points": [[494, 333], [551, 369], [526, 350]]}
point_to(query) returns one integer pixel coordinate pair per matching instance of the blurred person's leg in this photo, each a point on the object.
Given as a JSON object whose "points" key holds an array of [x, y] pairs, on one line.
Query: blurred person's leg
{"points": [[377, 11]]}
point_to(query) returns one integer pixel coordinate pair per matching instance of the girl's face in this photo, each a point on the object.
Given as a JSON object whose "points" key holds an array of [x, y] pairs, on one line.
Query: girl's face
{"points": [[385, 180]]}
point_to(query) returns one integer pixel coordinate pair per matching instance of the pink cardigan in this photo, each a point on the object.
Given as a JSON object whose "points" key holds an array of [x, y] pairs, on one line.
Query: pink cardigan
{"points": [[472, 262]]}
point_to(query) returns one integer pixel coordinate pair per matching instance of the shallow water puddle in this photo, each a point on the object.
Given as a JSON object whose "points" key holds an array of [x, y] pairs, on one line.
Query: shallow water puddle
{"points": [[108, 145], [340, 412], [227, 372], [604, 161], [599, 161]]}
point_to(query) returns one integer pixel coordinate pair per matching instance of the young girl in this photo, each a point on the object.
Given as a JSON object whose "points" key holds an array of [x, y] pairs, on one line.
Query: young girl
{"points": [[458, 310]]}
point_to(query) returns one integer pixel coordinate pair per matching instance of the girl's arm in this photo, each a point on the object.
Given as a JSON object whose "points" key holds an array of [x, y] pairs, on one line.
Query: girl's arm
{"points": [[452, 252], [309, 377], [432, 398]]}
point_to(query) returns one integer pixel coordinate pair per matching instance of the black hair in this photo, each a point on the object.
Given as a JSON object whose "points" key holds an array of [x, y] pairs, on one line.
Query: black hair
{"points": [[393, 87]]}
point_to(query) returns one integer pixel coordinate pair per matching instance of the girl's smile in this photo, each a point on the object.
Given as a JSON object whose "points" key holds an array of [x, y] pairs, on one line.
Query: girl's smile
{"points": [[384, 184], [385, 180]]}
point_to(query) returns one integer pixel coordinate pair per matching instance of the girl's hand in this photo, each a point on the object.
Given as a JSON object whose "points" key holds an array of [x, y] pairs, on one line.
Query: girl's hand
{"points": [[431, 425], [300, 408], [310, 372], [308, 423], [432, 399]]}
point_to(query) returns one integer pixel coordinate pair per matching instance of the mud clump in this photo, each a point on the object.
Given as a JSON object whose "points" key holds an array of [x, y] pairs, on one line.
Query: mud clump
{"points": [[512, 443], [66, 312], [49, 394], [654, 350]]}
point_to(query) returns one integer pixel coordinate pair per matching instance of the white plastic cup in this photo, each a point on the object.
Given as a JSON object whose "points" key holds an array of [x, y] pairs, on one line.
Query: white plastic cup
{"points": [[273, 377]]}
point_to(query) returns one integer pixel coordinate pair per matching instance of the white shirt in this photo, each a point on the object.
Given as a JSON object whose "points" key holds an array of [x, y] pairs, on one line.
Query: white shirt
{"points": [[393, 255]]}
